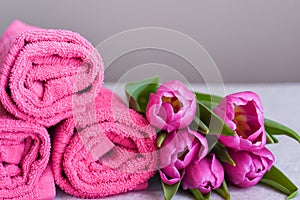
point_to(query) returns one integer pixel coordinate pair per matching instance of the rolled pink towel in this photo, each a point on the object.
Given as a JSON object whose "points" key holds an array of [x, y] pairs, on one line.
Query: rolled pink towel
{"points": [[41, 69], [111, 150], [24, 157]]}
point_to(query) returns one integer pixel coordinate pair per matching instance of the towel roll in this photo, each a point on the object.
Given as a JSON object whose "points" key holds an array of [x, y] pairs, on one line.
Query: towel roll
{"points": [[25, 172], [42, 68], [104, 150]]}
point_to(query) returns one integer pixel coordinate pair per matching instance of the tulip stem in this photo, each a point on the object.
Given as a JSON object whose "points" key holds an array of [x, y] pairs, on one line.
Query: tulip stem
{"points": [[223, 191]]}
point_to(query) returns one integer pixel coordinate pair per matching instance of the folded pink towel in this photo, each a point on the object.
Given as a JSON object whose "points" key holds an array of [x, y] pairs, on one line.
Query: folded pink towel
{"points": [[24, 157], [41, 69], [109, 152]]}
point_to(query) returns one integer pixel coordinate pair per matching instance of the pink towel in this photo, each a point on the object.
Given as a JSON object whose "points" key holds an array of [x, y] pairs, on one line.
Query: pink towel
{"points": [[24, 157], [41, 69], [87, 164]]}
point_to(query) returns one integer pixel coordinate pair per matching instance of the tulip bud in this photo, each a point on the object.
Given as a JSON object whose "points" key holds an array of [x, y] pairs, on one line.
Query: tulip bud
{"points": [[243, 113], [206, 174], [178, 150], [172, 107], [250, 167]]}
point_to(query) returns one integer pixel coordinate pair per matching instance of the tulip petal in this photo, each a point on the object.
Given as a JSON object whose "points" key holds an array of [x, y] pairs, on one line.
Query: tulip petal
{"points": [[218, 171], [170, 175], [237, 174], [243, 113], [169, 150], [152, 110], [191, 178]]}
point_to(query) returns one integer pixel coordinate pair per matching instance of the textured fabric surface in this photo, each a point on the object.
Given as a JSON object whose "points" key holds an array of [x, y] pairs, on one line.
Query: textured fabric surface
{"points": [[104, 150], [281, 103], [41, 69], [24, 156]]}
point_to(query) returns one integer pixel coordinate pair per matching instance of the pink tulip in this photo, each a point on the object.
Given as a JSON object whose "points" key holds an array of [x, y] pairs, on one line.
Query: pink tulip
{"points": [[178, 150], [206, 174], [250, 167], [172, 107], [243, 113]]}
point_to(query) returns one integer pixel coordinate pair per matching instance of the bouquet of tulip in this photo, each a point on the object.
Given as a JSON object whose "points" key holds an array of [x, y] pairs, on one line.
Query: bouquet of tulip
{"points": [[205, 141]]}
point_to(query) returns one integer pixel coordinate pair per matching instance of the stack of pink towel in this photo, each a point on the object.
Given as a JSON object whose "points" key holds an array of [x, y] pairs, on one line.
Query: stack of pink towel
{"points": [[41, 69], [25, 171], [52, 79]]}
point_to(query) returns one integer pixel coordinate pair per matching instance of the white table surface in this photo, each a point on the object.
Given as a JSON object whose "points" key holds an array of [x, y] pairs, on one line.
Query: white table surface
{"points": [[281, 103]]}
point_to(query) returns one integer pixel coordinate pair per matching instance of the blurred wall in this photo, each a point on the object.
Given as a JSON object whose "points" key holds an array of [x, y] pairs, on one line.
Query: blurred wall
{"points": [[250, 41]]}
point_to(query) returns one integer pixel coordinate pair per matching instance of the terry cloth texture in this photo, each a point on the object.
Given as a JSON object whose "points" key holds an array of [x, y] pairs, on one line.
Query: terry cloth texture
{"points": [[24, 156], [111, 150], [41, 69]]}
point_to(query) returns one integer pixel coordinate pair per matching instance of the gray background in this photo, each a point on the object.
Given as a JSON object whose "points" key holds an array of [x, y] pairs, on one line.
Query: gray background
{"points": [[250, 41]]}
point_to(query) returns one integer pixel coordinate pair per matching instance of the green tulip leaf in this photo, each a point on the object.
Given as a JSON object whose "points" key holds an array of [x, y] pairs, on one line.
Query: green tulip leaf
{"points": [[275, 128], [277, 180], [210, 101], [271, 139], [199, 196], [138, 93], [170, 190], [212, 140], [215, 124], [223, 191], [222, 154], [199, 125], [161, 138]]}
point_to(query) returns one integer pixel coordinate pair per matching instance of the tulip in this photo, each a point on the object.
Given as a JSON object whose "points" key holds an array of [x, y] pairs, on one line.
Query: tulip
{"points": [[178, 150], [172, 107], [243, 113], [250, 167], [205, 175]]}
